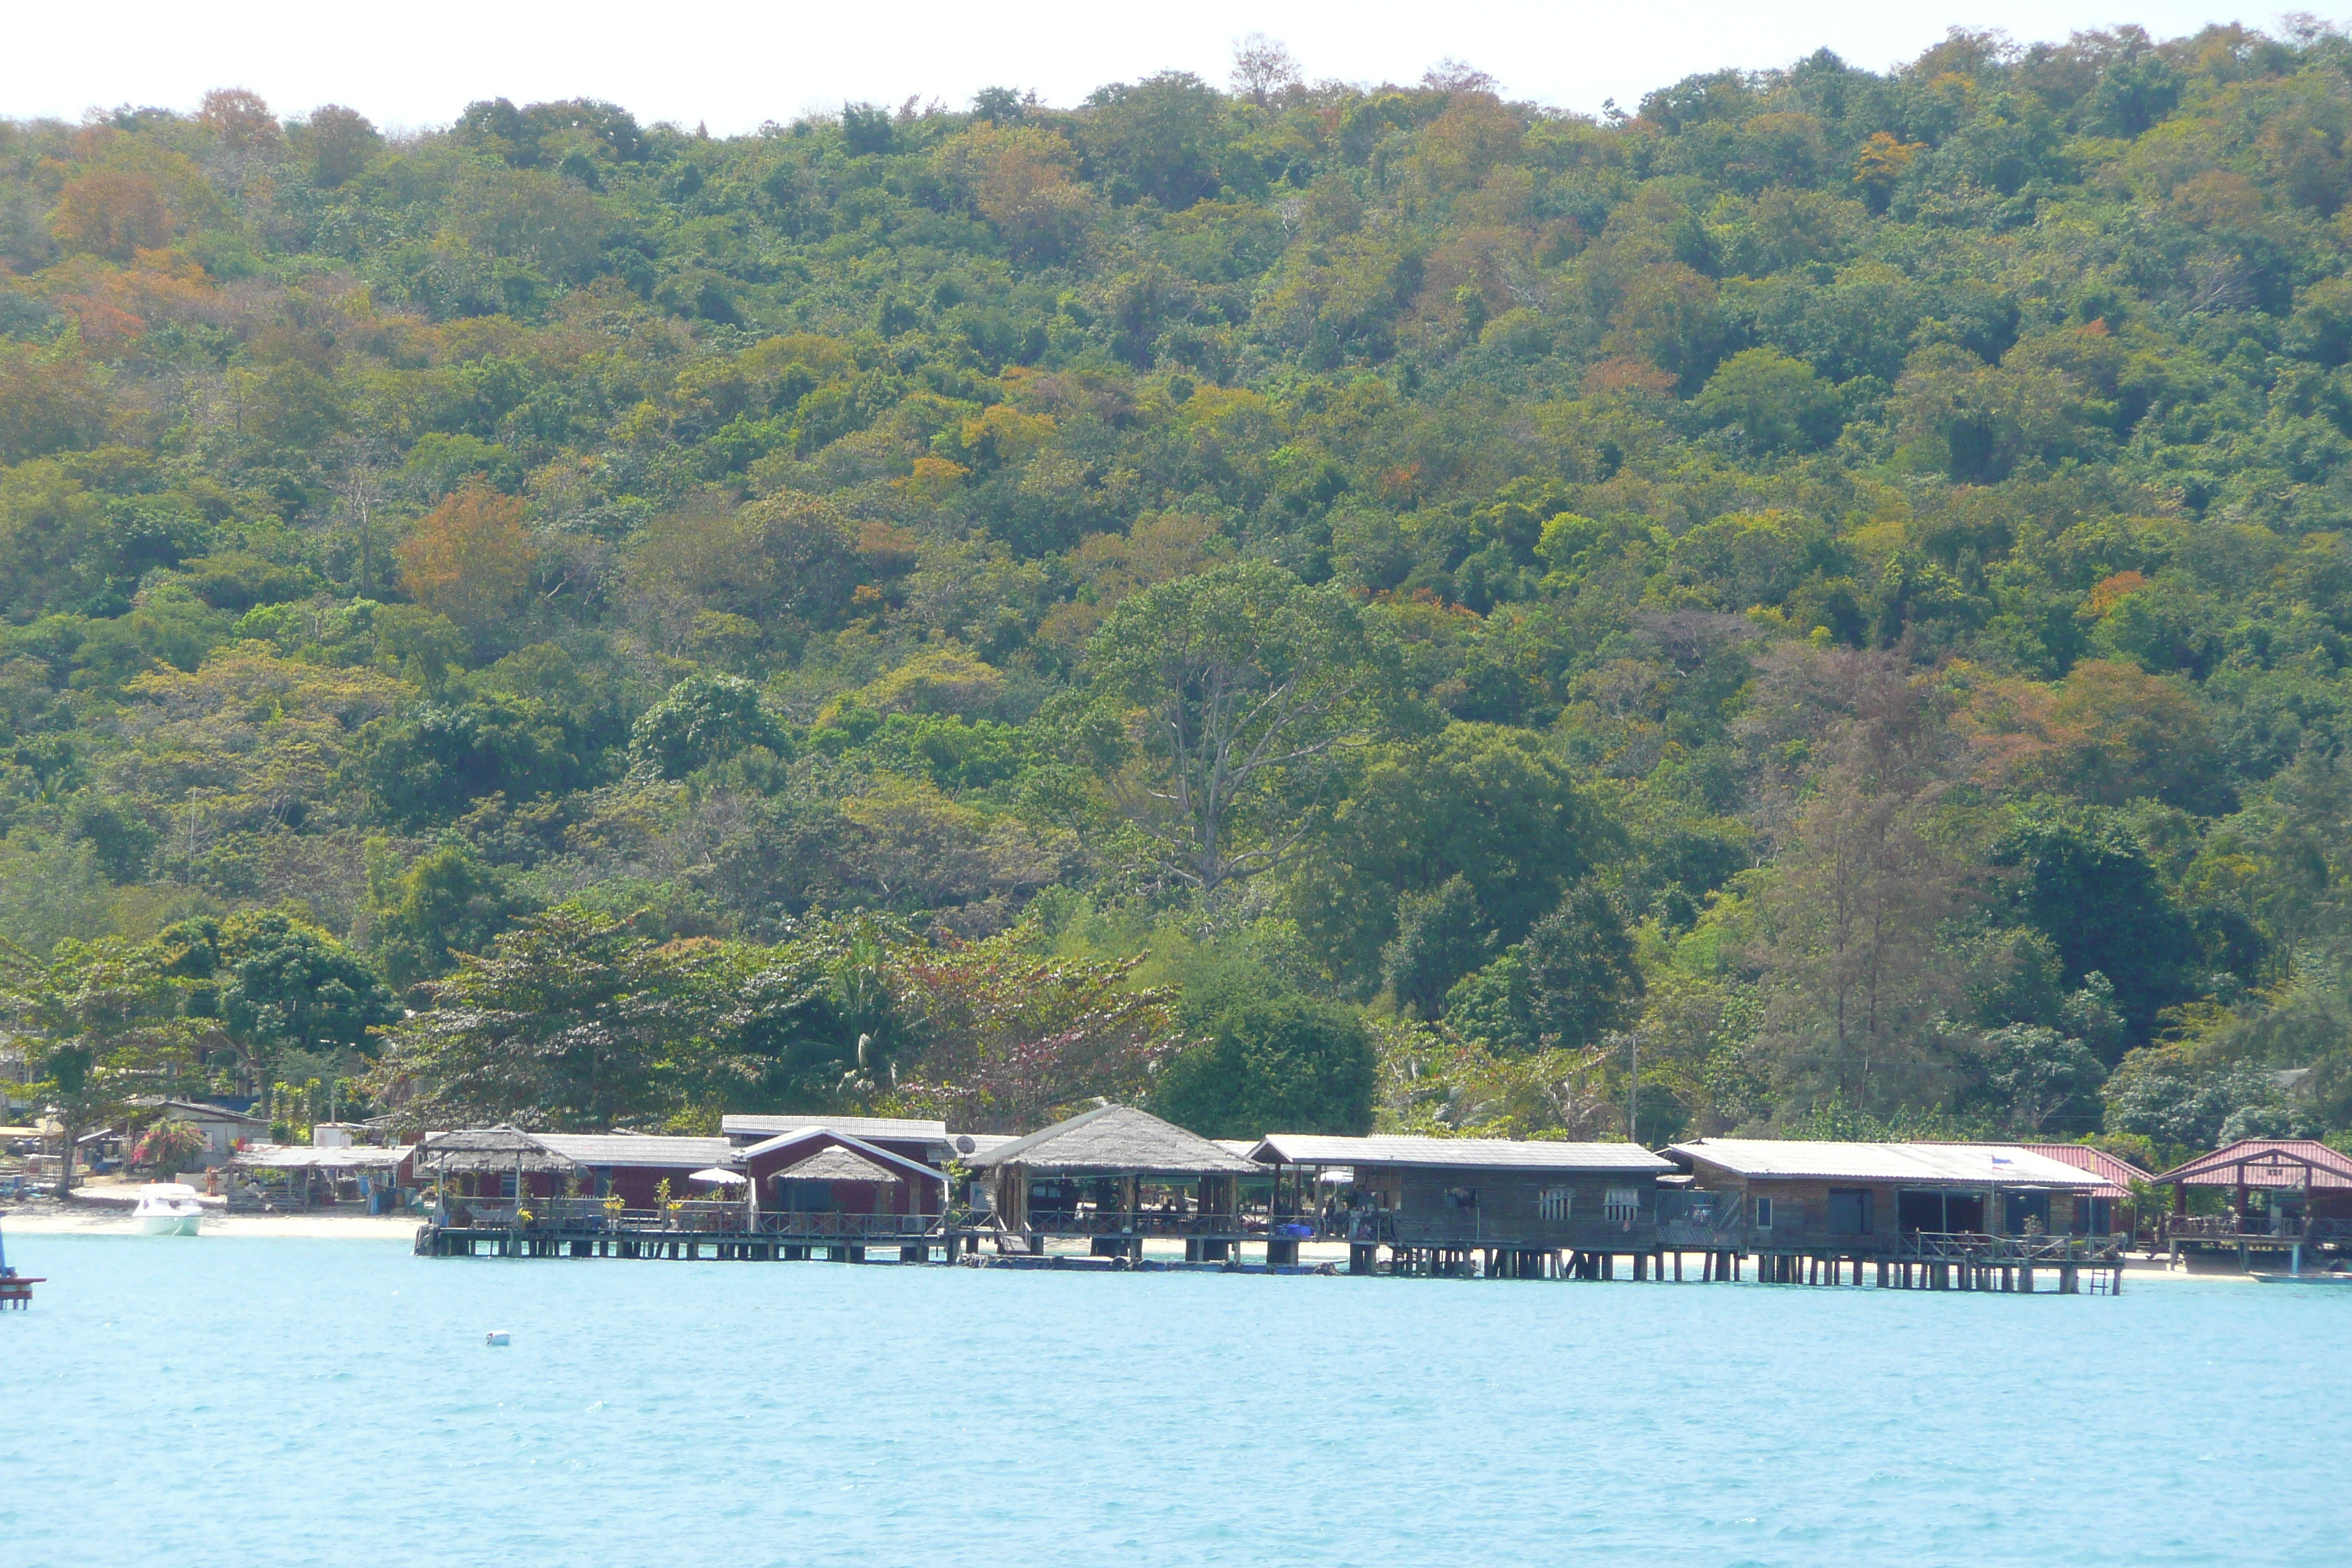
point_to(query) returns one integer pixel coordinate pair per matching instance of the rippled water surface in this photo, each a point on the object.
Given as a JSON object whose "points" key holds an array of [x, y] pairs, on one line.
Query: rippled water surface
{"points": [[267, 1401]]}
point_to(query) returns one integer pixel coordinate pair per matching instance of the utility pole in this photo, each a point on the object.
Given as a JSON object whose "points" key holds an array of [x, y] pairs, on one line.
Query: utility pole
{"points": [[1633, 1084]]}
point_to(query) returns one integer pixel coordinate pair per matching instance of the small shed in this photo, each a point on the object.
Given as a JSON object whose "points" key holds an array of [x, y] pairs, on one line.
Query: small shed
{"points": [[1852, 1199], [1507, 1194], [1119, 1173], [222, 1128], [305, 1176]]}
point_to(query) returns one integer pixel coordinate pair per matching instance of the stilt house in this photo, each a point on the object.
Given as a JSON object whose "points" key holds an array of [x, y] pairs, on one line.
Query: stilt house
{"points": [[633, 1166], [1765, 1195], [1116, 1175], [1456, 1194], [819, 1183], [2281, 1200], [909, 1137], [2109, 1210]]}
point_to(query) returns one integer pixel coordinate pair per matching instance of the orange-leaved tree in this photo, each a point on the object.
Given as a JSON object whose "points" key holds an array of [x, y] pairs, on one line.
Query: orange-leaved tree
{"points": [[471, 559]]}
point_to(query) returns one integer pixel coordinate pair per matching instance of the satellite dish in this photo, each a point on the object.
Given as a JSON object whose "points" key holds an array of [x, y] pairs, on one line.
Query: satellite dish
{"points": [[964, 1145]]}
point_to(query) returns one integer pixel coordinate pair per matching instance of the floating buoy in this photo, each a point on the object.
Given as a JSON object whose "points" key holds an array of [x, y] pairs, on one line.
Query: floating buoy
{"points": [[495, 1337]]}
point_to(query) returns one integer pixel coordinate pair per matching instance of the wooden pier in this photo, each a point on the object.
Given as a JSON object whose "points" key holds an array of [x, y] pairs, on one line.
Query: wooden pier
{"points": [[2013, 1265], [691, 1232], [1115, 1181]]}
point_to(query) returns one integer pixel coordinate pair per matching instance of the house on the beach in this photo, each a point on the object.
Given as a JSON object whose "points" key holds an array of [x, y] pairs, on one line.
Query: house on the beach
{"points": [[1860, 1200], [1519, 1205], [224, 1128], [2271, 1201], [286, 1178], [911, 1138], [2111, 1209]]}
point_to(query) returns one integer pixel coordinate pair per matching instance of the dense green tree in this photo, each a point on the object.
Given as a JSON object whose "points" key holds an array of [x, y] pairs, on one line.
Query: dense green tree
{"points": [[569, 1021], [105, 1025], [1281, 1064], [2086, 883], [424, 914], [285, 986], [702, 719], [1440, 936], [1491, 806], [1583, 981]]}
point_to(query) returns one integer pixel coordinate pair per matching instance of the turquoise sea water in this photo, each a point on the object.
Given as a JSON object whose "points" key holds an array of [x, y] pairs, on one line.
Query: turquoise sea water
{"points": [[268, 1401]]}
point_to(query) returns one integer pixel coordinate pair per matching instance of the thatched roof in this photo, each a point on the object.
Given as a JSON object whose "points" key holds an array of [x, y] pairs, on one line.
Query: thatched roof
{"points": [[1116, 1141], [836, 1163], [489, 1149]]}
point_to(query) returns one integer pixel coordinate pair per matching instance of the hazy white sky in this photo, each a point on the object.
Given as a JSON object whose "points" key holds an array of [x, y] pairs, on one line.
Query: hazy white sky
{"points": [[734, 64]]}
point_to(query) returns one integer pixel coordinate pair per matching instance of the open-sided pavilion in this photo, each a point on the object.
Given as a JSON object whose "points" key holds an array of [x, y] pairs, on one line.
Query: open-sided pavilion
{"points": [[1115, 1176]]}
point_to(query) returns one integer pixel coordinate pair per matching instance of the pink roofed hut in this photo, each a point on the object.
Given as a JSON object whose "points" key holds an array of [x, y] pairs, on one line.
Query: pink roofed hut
{"points": [[2288, 1199], [816, 1188]]}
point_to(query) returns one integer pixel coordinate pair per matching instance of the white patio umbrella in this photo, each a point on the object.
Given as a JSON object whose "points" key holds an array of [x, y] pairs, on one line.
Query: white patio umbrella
{"points": [[717, 1177]]}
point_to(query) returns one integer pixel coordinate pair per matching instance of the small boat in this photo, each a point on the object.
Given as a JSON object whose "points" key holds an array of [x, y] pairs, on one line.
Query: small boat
{"points": [[168, 1209], [2316, 1276]]}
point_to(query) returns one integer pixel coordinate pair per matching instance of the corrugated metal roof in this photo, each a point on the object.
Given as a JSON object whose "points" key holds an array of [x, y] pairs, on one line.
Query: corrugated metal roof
{"points": [[303, 1157], [198, 1110], [892, 1126], [630, 1149], [1932, 1164], [1456, 1153], [2268, 1163], [2118, 1173]]}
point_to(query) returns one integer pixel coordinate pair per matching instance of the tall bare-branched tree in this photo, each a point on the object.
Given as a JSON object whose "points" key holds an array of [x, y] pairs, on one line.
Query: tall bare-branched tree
{"points": [[1221, 706]]}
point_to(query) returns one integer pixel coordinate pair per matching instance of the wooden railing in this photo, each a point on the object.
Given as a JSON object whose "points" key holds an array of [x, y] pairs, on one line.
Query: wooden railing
{"points": [[2233, 1228], [1113, 1222], [1998, 1251], [824, 1225]]}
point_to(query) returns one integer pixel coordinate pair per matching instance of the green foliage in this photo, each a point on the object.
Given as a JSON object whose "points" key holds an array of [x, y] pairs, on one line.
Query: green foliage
{"points": [[279, 986], [2088, 884], [1831, 571], [1490, 806], [443, 903], [569, 1021], [1775, 402], [1250, 688], [1283, 1063], [704, 718]]}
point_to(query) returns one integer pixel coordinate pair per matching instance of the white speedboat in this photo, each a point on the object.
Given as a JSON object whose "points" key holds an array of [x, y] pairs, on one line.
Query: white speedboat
{"points": [[168, 1209]]}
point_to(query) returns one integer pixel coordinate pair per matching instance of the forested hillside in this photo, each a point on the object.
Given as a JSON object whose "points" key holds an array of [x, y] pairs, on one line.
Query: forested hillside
{"points": [[1294, 606]]}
